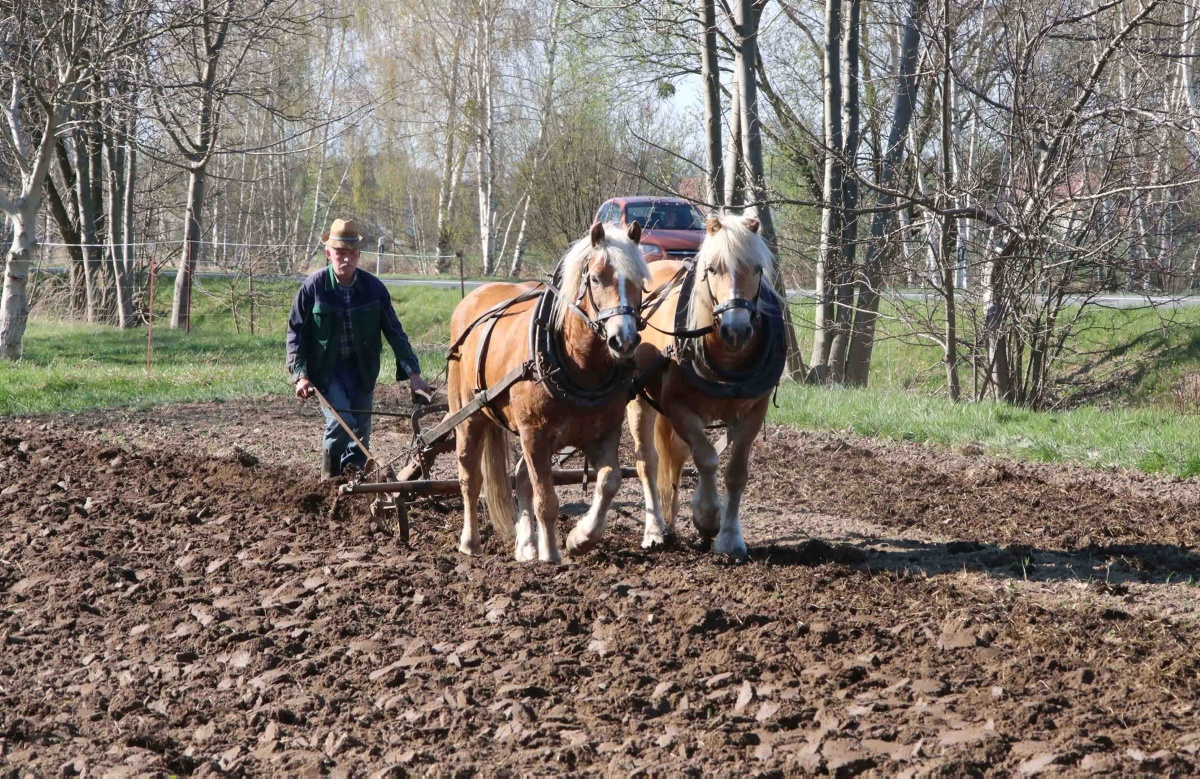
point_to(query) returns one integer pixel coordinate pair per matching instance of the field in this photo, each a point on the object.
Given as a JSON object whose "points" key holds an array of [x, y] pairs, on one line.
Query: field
{"points": [[180, 595]]}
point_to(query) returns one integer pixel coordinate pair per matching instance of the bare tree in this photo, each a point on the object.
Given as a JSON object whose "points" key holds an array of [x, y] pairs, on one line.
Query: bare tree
{"points": [[48, 52], [196, 71]]}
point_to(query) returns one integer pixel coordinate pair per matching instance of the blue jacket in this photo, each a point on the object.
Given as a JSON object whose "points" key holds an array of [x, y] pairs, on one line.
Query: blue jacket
{"points": [[315, 328]]}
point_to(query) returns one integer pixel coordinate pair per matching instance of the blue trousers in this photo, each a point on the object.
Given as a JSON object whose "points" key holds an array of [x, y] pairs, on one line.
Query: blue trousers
{"points": [[345, 392]]}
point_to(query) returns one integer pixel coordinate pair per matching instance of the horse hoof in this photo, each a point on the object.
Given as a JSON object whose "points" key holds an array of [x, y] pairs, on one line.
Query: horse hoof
{"points": [[580, 543], [471, 550], [526, 553], [655, 541], [734, 550]]}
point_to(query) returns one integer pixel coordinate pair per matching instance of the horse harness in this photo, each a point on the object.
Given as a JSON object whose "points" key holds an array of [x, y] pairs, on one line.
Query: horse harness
{"points": [[755, 379], [545, 366]]}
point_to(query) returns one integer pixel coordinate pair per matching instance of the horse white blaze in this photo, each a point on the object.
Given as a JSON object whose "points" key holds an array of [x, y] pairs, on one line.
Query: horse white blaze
{"points": [[621, 330], [736, 324]]}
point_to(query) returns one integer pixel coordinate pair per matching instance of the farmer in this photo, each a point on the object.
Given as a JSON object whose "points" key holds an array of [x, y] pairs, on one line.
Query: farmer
{"points": [[334, 345]]}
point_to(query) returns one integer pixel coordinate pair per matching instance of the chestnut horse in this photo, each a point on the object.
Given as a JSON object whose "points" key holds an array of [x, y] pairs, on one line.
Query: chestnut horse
{"points": [[576, 401], [722, 370]]}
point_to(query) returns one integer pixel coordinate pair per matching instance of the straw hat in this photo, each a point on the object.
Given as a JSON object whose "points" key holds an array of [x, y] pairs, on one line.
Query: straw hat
{"points": [[344, 234]]}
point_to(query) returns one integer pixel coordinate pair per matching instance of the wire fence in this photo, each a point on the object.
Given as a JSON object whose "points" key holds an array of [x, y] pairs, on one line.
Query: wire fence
{"points": [[248, 258]]}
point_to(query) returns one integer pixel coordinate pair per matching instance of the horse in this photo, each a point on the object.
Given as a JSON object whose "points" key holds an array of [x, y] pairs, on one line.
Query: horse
{"points": [[715, 358], [575, 362]]}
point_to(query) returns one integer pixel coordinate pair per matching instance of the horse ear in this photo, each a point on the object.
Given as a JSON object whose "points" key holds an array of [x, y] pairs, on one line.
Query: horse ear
{"points": [[713, 224], [635, 232], [752, 224], [597, 234]]}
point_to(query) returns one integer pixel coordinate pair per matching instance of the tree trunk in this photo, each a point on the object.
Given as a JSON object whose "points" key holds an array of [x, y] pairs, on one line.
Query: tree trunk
{"points": [[752, 157], [84, 197], [446, 185], [710, 74], [831, 226], [127, 213], [538, 150], [948, 254], [485, 140], [115, 151], [858, 363], [445, 255], [734, 170], [844, 288], [62, 210], [14, 305], [181, 305]]}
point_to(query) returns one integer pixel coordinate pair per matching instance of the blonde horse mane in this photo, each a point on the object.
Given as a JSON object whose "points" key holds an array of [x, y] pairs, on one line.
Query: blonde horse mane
{"points": [[618, 248], [734, 249]]}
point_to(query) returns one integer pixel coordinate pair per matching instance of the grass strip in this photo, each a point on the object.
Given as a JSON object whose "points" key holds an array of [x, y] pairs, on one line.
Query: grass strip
{"points": [[1148, 439]]}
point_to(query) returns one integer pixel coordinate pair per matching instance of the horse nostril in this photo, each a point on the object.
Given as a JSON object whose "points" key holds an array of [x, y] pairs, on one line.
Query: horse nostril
{"points": [[614, 343], [637, 338]]}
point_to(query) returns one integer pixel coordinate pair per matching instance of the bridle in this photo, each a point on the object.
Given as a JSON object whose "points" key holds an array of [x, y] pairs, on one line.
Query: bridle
{"points": [[596, 323], [733, 303]]}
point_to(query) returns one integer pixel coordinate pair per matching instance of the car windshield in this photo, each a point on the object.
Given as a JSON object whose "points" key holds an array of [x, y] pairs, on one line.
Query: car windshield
{"points": [[664, 216]]}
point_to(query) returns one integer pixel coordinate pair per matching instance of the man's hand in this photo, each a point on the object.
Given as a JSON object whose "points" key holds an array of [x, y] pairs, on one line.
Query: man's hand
{"points": [[305, 389], [422, 393]]}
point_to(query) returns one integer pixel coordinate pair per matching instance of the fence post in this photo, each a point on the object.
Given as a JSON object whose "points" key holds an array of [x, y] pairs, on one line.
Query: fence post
{"points": [[462, 279]]}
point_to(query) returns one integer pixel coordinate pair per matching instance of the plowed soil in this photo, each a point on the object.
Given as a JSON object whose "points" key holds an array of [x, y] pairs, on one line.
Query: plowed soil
{"points": [[180, 595]]}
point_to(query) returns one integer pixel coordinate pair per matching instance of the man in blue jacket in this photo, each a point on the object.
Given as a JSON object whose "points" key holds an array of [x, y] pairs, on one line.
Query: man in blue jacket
{"points": [[335, 340]]}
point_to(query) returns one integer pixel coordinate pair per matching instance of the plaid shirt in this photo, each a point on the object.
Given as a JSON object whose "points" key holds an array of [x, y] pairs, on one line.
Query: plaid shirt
{"points": [[347, 341]]}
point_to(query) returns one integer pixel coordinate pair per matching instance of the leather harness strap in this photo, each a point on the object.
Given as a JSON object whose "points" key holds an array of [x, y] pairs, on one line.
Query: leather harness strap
{"points": [[545, 364], [546, 348]]}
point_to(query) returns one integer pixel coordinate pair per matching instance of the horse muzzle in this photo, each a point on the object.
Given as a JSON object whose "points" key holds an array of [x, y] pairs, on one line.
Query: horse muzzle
{"points": [[735, 325], [622, 336]]}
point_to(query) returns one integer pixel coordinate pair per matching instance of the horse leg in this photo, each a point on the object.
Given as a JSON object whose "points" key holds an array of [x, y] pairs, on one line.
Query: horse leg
{"points": [[538, 455], [706, 500], [469, 444], [641, 426], [672, 454], [586, 534], [737, 473], [526, 548]]}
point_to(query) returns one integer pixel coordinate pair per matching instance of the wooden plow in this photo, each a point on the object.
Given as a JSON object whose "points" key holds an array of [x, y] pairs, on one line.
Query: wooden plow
{"points": [[395, 489]]}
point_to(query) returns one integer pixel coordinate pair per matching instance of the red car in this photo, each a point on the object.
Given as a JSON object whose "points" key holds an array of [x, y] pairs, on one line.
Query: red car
{"points": [[672, 228]]}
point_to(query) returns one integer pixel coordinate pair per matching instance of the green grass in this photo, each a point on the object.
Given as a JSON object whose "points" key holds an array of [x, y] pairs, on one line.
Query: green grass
{"points": [[77, 367], [1148, 439]]}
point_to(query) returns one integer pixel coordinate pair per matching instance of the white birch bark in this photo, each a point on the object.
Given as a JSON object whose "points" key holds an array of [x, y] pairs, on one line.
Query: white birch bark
{"points": [[539, 154]]}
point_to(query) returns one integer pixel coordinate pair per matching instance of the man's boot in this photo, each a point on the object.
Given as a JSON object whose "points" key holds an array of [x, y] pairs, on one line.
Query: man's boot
{"points": [[329, 466]]}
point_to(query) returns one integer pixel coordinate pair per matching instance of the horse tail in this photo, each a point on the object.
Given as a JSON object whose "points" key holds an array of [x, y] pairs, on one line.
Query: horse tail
{"points": [[668, 469], [497, 486]]}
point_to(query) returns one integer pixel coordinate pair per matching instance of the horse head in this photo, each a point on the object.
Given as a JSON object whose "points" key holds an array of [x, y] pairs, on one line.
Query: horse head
{"points": [[608, 273], [732, 266]]}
